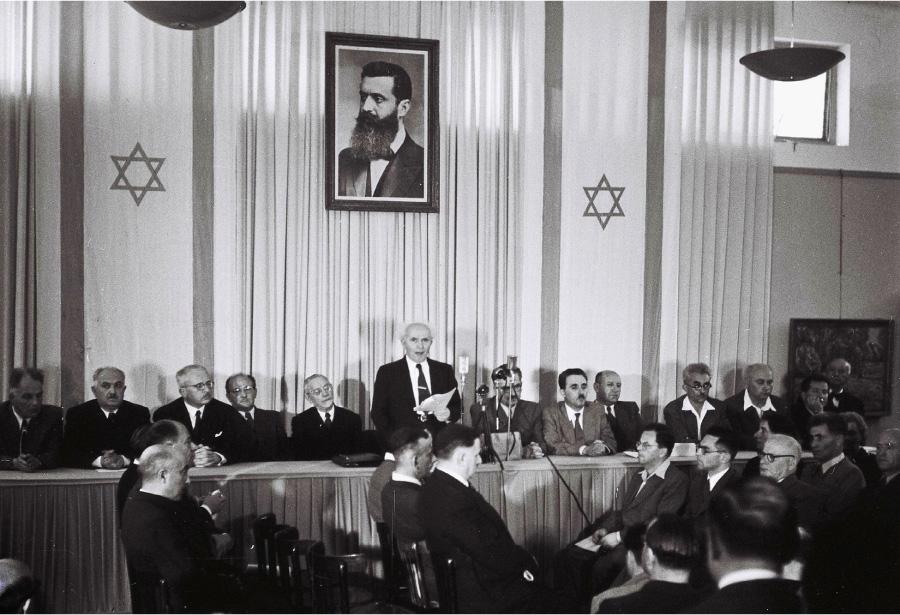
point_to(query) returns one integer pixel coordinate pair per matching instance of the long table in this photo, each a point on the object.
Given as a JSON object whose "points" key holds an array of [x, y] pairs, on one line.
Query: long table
{"points": [[63, 522]]}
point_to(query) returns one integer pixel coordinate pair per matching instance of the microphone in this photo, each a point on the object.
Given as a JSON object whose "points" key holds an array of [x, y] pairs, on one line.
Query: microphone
{"points": [[481, 394]]}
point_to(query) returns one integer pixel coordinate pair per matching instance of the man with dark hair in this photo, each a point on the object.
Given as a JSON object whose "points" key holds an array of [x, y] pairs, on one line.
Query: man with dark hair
{"points": [[747, 407], [505, 411], [262, 437], [840, 399], [493, 573], [811, 402], [691, 415], [715, 455], [771, 423], [382, 160], [31, 432], [573, 427], [671, 550], [853, 447], [624, 417], [98, 432], [834, 473], [325, 429], [412, 448], [751, 535]]}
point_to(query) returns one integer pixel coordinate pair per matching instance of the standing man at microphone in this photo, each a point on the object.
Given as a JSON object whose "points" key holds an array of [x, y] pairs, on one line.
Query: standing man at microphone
{"points": [[506, 411], [402, 386]]}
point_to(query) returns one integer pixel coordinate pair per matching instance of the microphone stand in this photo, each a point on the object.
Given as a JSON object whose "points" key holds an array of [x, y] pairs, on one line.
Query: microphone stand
{"points": [[488, 452]]}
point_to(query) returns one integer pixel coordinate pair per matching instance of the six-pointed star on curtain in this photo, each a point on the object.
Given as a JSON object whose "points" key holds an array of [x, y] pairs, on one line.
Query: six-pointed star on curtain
{"points": [[153, 184], [592, 192]]}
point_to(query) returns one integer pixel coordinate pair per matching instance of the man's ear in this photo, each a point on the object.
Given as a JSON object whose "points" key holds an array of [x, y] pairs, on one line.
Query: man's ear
{"points": [[648, 559], [403, 107]]}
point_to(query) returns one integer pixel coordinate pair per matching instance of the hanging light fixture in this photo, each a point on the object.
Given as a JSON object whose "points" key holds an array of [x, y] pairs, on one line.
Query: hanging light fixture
{"points": [[792, 63], [188, 15]]}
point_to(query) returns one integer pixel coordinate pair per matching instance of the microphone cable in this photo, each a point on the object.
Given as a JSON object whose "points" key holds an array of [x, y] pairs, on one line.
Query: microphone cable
{"points": [[572, 493]]}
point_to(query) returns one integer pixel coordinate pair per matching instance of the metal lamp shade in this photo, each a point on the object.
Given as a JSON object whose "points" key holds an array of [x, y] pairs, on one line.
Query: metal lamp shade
{"points": [[792, 63], [188, 15]]}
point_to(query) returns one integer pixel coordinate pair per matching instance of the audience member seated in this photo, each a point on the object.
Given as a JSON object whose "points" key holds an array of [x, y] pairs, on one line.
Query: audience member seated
{"points": [[400, 500], [779, 461], [378, 481], [17, 586], [691, 415], [748, 406], [714, 458], [325, 430], [98, 432], [834, 473], [771, 423], [212, 424], [839, 399], [624, 417], [262, 437], [659, 488], [31, 432], [853, 447], [574, 428], [670, 553], [811, 402], [633, 539], [526, 415]]}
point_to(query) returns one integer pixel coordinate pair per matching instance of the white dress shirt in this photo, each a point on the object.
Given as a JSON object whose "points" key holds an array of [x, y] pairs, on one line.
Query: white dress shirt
{"points": [[414, 377]]}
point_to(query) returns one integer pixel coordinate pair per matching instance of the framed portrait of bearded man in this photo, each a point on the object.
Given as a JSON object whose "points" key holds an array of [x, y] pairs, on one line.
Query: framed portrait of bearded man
{"points": [[381, 117]]}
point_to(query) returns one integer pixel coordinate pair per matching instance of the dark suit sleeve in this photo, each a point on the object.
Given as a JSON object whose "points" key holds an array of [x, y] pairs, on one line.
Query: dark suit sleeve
{"points": [[76, 448], [380, 410], [284, 449], [52, 442], [675, 490], [673, 419], [606, 434]]}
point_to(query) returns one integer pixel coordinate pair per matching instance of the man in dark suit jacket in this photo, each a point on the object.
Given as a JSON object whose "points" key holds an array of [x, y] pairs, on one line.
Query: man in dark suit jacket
{"points": [[382, 160], [526, 415], [574, 427], [403, 385], [623, 416], [213, 425], [691, 415], [325, 430], [262, 437], [778, 461], [834, 473], [857, 429], [811, 402], [401, 497], [745, 409], [30, 432], [840, 399], [715, 455], [98, 432], [752, 533]]}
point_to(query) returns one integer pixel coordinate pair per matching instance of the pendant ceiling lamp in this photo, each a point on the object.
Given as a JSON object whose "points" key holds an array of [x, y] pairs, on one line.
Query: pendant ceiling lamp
{"points": [[792, 63], [188, 15]]}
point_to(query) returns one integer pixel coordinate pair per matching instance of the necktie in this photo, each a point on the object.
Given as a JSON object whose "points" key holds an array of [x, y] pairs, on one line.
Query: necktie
{"points": [[197, 416], [327, 419], [611, 416], [502, 419], [424, 393], [249, 418], [22, 431], [579, 432], [709, 485]]}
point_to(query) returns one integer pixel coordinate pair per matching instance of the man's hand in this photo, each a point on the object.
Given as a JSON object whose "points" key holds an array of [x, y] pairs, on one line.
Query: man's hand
{"points": [[598, 535], [532, 451], [214, 501], [205, 457], [222, 544], [596, 449], [112, 460], [610, 541], [27, 463]]}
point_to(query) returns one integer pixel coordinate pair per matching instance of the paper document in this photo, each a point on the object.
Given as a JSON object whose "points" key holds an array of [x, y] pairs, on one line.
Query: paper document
{"points": [[588, 544], [435, 403]]}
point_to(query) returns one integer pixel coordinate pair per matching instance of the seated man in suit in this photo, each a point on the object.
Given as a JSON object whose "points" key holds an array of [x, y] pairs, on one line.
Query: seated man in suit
{"points": [[834, 473], [747, 407], [633, 539], [771, 423], [853, 447], [670, 553], [98, 432], [493, 573], [402, 386], [811, 402], [526, 415], [840, 399], [624, 417], [325, 430], [751, 533], [778, 461], [401, 497], [263, 438], [714, 457], [17, 586], [31, 432], [574, 428], [212, 424], [378, 481], [691, 415]]}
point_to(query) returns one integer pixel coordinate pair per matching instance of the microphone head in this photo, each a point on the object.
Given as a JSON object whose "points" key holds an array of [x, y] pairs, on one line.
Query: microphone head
{"points": [[482, 390], [500, 373]]}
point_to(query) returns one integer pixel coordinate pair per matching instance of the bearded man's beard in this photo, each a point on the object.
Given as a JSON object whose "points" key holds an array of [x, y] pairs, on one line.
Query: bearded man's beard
{"points": [[372, 137]]}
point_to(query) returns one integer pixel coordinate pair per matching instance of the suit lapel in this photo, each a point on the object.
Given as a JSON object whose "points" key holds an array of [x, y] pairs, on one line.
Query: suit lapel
{"points": [[652, 485], [567, 427]]}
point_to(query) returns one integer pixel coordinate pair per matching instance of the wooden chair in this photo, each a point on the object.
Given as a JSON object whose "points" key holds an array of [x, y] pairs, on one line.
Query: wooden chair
{"points": [[293, 566], [423, 587], [445, 572], [264, 529], [330, 577], [394, 574]]}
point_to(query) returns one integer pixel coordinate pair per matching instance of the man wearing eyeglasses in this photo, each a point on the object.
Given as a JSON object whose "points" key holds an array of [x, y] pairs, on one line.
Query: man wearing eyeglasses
{"points": [[779, 460], [325, 430], [691, 415], [811, 402], [213, 424], [715, 455], [263, 437], [746, 408], [506, 411]]}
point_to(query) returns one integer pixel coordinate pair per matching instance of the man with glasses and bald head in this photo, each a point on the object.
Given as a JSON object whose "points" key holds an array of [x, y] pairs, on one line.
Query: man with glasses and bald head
{"points": [[325, 430], [212, 424], [263, 437], [691, 415]]}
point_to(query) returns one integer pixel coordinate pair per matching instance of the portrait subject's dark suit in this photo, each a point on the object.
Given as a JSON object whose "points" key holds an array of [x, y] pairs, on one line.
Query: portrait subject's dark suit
{"points": [[403, 177], [627, 425], [699, 495], [745, 421], [527, 420], [312, 439], [559, 432], [218, 428], [490, 566], [88, 432], [42, 437], [684, 424], [393, 398], [760, 596], [265, 440]]}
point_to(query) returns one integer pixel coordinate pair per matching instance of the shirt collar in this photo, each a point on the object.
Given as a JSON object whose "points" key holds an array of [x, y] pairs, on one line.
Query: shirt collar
{"points": [[108, 412], [19, 417], [399, 138], [715, 477], [687, 407], [766, 407], [832, 462], [389, 457], [403, 478], [192, 409], [748, 574], [329, 411], [659, 471], [571, 412], [412, 364], [244, 413]]}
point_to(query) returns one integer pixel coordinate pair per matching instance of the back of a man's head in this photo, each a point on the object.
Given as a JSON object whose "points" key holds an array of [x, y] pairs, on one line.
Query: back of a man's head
{"points": [[165, 431], [452, 437], [673, 542], [17, 585], [158, 458], [405, 438], [779, 423]]}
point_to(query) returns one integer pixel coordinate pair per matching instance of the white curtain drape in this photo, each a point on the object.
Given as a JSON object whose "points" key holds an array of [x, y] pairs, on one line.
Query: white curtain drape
{"points": [[717, 194], [301, 290]]}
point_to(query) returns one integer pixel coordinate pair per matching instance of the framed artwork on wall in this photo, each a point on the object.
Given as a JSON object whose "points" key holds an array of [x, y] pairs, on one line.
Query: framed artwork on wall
{"points": [[382, 148], [866, 344]]}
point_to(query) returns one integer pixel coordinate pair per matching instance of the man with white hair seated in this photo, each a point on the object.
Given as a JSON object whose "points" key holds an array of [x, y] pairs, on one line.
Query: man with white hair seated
{"points": [[778, 461]]}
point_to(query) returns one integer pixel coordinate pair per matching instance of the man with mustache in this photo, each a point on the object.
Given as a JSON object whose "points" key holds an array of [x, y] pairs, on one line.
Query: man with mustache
{"points": [[574, 428], [98, 432], [382, 160]]}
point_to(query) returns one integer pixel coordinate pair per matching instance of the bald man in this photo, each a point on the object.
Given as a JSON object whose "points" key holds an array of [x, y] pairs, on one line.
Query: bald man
{"points": [[745, 409], [840, 399], [623, 416]]}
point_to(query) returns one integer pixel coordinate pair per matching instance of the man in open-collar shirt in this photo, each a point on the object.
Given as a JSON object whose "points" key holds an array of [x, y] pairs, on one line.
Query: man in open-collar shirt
{"points": [[745, 409], [692, 414]]}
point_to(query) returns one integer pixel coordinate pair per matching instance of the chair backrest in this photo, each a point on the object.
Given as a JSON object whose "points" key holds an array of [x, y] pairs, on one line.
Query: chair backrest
{"points": [[284, 541], [445, 572], [330, 577], [423, 588], [394, 571], [262, 526], [299, 555]]}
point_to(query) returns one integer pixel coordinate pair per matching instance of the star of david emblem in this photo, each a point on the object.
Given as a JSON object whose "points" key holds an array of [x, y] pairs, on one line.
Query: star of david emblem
{"points": [[591, 210], [150, 177]]}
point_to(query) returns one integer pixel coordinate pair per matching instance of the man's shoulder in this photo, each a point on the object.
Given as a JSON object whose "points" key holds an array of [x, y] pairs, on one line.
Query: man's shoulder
{"points": [[674, 405], [440, 365], [553, 411], [849, 471], [346, 158], [307, 415], [346, 413], [82, 410], [133, 408], [220, 406], [170, 409], [393, 367], [529, 407], [49, 413], [410, 150], [266, 414], [628, 406], [717, 404], [735, 402]]}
